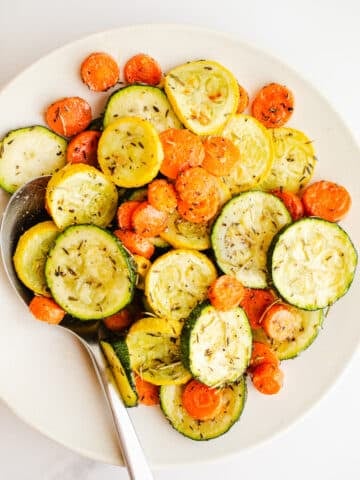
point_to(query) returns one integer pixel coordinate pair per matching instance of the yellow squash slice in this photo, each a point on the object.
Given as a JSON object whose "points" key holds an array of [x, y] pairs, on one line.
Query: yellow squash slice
{"points": [[154, 349], [130, 152], [177, 282], [256, 152], [79, 193], [294, 160], [203, 94], [31, 253]]}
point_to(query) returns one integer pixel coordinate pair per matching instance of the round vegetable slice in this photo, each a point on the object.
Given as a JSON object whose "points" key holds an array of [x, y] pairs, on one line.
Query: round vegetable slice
{"points": [[177, 281], [233, 399], [130, 152], [312, 263], [142, 101], [89, 273], [242, 233], [79, 193], [256, 152], [203, 94], [216, 345], [27, 153], [180, 233], [31, 253], [294, 160], [154, 348]]}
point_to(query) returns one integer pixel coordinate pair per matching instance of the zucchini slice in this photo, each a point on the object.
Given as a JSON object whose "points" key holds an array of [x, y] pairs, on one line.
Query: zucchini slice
{"points": [[215, 345], [203, 94], [27, 153], [312, 263], [256, 149], [233, 399], [142, 101], [177, 281], [31, 253], [79, 193], [130, 152], [117, 356], [154, 347], [242, 233], [89, 273], [294, 160], [307, 331], [180, 233]]}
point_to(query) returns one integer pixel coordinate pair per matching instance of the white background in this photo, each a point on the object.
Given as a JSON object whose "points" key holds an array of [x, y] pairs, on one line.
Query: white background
{"points": [[321, 40]]}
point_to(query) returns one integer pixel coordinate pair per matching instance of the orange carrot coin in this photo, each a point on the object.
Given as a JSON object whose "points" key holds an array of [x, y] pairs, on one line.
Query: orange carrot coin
{"points": [[118, 321], [243, 100], [326, 200], [200, 212], [147, 392], [292, 202], [162, 195], [281, 322], [99, 71], [46, 310], [68, 116], [195, 184], [262, 353], [200, 401], [225, 293], [136, 243], [255, 301], [148, 221], [221, 154], [273, 105], [83, 148], [142, 68], [267, 378], [182, 149], [124, 214]]}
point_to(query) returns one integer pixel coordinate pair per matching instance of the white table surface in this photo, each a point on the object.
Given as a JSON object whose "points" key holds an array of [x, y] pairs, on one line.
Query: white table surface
{"points": [[320, 39]]}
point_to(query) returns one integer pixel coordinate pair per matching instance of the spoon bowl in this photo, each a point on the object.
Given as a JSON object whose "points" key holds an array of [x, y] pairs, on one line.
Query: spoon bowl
{"points": [[26, 208]]}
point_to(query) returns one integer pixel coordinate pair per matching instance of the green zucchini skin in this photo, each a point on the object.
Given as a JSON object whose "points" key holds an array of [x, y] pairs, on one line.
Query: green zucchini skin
{"points": [[89, 272], [117, 355], [295, 246], [215, 358], [312, 322], [29, 152], [202, 430], [144, 101]]}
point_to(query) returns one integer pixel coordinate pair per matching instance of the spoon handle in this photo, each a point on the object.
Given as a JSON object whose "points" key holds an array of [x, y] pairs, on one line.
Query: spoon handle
{"points": [[130, 446]]}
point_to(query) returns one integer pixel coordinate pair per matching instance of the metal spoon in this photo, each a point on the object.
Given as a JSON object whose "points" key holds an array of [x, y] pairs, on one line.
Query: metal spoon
{"points": [[25, 208]]}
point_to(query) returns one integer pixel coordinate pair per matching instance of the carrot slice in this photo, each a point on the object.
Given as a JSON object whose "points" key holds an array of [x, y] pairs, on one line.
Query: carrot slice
{"points": [[124, 214], [135, 243], [221, 154], [292, 202], [280, 322], [148, 393], [255, 302], [326, 200], [195, 184], [267, 378], [46, 310], [99, 71], [262, 353], [83, 148], [243, 100], [273, 105], [200, 212], [225, 293], [68, 116], [148, 221], [142, 68], [200, 401], [182, 149], [162, 195], [118, 321]]}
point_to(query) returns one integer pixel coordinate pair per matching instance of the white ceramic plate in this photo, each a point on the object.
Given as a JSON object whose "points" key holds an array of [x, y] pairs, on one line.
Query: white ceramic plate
{"points": [[46, 376]]}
